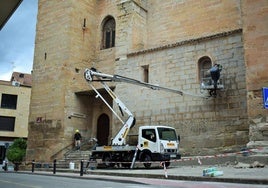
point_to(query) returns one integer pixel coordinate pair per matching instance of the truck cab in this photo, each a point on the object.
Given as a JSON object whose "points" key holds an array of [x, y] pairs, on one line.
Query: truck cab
{"points": [[158, 143]]}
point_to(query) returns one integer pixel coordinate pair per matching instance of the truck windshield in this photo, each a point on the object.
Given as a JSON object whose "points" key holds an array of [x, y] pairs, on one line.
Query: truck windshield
{"points": [[167, 134]]}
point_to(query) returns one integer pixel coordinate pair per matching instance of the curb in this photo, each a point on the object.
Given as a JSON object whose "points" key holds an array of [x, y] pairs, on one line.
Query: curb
{"points": [[187, 178], [153, 176]]}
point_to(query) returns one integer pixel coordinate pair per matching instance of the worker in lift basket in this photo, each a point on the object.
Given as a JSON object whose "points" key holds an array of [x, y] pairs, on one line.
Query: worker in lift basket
{"points": [[77, 139], [215, 76]]}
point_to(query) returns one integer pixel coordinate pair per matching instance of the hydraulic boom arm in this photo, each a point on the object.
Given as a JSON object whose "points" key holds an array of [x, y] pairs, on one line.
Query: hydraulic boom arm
{"points": [[92, 75]]}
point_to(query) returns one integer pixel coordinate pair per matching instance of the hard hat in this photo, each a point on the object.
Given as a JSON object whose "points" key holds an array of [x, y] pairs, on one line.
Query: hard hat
{"points": [[77, 130]]}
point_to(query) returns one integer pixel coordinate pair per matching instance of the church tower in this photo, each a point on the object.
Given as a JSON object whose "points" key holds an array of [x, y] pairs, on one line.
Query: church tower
{"points": [[172, 43], [65, 43], [71, 36]]}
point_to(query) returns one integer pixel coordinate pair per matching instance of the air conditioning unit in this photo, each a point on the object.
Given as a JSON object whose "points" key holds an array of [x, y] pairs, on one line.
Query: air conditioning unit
{"points": [[16, 83]]}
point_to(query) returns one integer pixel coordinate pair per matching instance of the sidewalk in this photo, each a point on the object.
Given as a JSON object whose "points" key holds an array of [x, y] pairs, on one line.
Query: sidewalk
{"points": [[191, 170], [190, 173], [193, 173]]}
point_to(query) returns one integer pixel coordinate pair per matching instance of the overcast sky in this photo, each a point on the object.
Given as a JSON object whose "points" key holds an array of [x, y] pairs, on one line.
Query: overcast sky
{"points": [[17, 40]]}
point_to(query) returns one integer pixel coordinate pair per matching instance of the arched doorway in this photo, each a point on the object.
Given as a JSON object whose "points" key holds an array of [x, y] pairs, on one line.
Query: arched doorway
{"points": [[103, 129]]}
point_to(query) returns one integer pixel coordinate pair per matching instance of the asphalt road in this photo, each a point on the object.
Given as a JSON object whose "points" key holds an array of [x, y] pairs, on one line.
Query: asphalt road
{"points": [[13, 180], [20, 180]]}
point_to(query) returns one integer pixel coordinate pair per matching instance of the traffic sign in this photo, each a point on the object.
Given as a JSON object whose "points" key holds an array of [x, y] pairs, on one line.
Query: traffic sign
{"points": [[265, 97]]}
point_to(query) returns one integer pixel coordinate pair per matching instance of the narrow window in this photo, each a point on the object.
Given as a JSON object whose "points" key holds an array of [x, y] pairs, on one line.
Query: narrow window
{"points": [[145, 73], [9, 101], [113, 38], [107, 40], [7, 123], [108, 33], [204, 64]]}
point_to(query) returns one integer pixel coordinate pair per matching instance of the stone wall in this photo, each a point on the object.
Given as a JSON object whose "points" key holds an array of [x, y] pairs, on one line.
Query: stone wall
{"points": [[176, 20], [255, 34], [205, 125], [168, 36]]}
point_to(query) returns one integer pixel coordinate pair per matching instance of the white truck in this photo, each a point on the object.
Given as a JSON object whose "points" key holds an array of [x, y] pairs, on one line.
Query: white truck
{"points": [[155, 142]]}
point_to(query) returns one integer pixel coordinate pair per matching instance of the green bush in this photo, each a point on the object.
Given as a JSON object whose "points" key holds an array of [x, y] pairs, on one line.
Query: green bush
{"points": [[17, 151]]}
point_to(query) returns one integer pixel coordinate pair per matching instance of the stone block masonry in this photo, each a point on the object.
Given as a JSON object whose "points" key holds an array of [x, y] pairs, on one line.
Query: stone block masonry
{"points": [[168, 37], [197, 120]]}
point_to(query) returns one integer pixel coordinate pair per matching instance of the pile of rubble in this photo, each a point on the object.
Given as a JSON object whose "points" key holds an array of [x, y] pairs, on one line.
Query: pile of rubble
{"points": [[255, 164]]}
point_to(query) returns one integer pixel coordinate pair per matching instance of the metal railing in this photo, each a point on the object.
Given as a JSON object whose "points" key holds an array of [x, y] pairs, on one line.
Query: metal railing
{"points": [[208, 83]]}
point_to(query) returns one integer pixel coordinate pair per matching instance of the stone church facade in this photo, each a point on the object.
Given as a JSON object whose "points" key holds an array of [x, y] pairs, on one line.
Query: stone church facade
{"points": [[171, 43]]}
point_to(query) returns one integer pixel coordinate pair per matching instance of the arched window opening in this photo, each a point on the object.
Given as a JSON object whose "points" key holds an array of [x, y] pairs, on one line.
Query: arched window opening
{"points": [[204, 65], [209, 76], [108, 33]]}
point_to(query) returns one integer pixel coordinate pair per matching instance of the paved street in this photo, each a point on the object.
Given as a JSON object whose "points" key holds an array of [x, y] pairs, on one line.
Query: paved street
{"points": [[14, 180], [236, 176], [69, 180]]}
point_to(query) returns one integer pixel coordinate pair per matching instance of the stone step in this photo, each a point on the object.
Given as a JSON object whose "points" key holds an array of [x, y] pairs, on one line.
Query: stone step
{"points": [[78, 155], [75, 157], [70, 164]]}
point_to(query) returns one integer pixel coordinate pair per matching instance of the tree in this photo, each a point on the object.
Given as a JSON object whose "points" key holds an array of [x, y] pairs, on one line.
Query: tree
{"points": [[17, 151]]}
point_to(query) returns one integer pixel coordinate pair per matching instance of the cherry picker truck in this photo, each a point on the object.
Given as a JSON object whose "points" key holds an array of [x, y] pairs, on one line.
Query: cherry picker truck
{"points": [[156, 143]]}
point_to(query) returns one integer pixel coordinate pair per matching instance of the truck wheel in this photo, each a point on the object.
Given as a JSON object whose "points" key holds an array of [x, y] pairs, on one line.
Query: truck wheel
{"points": [[126, 165], [167, 164], [107, 161], [126, 160], [145, 158]]}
